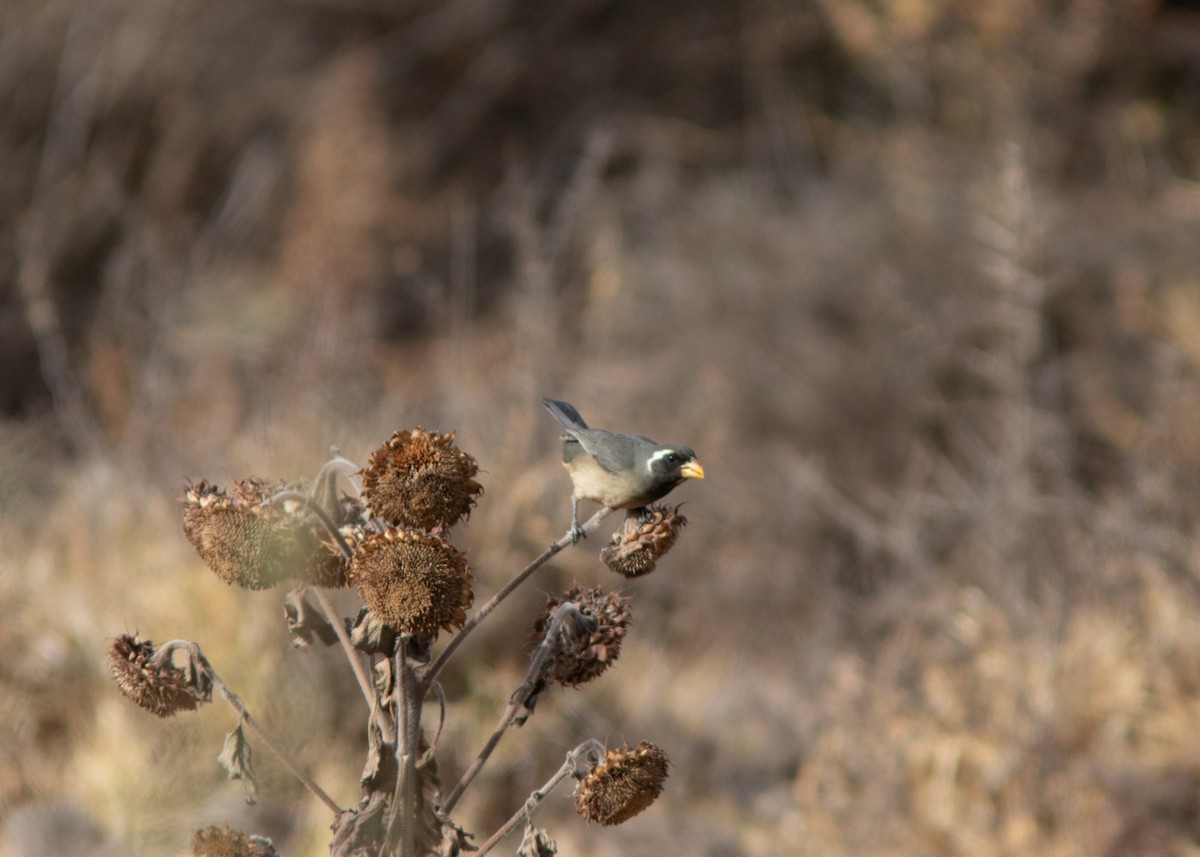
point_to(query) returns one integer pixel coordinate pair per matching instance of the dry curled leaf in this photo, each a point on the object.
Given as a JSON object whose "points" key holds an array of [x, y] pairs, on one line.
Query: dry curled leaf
{"points": [[236, 759]]}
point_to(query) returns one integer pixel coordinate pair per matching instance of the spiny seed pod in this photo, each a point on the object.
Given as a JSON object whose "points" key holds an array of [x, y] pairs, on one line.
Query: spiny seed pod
{"points": [[582, 653], [647, 534], [222, 842], [249, 542], [421, 480], [414, 582], [160, 688], [624, 784]]}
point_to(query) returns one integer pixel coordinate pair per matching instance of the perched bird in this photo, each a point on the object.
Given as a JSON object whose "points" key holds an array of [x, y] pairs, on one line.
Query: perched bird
{"points": [[621, 471]]}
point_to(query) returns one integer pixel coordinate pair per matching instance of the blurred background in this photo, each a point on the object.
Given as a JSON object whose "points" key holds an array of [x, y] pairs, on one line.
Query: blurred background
{"points": [[918, 279]]}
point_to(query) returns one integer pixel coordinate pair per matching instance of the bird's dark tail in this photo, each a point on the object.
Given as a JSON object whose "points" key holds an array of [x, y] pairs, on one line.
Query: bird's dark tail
{"points": [[565, 414]]}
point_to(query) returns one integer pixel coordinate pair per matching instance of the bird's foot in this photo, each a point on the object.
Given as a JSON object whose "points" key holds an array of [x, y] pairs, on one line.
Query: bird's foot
{"points": [[577, 533]]}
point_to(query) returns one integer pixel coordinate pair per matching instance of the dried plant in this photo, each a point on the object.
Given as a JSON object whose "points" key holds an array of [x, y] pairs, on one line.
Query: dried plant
{"points": [[223, 842], [590, 640], [390, 540], [626, 782], [647, 534], [421, 479]]}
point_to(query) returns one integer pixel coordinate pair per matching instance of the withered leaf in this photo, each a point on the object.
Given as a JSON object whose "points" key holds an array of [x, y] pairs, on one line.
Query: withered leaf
{"points": [[304, 621], [370, 635], [536, 843], [236, 759]]}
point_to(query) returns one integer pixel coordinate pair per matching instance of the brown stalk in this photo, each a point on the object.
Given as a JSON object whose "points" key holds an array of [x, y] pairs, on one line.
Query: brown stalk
{"points": [[592, 750], [364, 683], [431, 673], [235, 702], [537, 669]]}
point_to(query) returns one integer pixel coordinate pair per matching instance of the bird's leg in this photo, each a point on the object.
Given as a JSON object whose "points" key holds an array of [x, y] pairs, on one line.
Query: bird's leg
{"points": [[577, 532]]}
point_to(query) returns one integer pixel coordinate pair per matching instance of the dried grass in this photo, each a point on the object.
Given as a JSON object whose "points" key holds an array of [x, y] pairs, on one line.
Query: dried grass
{"points": [[917, 280]]}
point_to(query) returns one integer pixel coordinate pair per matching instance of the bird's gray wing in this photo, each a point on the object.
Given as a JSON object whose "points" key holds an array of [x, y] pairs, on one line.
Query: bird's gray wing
{"points": [[614, 452]]}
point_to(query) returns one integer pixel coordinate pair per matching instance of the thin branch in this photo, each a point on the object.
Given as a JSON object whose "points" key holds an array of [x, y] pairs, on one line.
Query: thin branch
{"points": [[437, 736], [537, 667], [315, 507], [80, 425], [236, 703], [431, 673], [592, 750], [339, 464], [506, 719], [342, 465], [368, 689]]}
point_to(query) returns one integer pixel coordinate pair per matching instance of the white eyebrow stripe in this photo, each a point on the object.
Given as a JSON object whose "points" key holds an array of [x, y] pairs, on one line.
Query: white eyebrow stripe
{"points": [[662, 453]]}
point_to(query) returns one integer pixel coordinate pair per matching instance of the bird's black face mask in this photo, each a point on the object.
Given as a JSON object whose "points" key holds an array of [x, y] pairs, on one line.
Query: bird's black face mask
{"points": [[669, 463]]}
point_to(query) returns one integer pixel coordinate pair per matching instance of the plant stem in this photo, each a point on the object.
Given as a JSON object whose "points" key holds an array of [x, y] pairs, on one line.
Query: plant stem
{"points": [[368, 689], [441, 695], [408, 718], [431, 673], [591, 748], [537, 667], [385, 726], [236, 703], [315, 507], [340, 464], [506, 720]]}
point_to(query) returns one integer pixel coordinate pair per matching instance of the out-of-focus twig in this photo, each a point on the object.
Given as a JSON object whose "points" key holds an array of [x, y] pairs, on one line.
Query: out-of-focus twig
{"points": [[66, 391]]}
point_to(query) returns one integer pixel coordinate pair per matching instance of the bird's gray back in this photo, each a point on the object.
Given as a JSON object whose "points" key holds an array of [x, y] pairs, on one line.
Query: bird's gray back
{"points": [[614, 452]]}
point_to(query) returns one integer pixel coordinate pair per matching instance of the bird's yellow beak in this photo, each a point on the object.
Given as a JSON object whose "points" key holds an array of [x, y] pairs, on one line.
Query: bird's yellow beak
{"points": [[692, 470]]}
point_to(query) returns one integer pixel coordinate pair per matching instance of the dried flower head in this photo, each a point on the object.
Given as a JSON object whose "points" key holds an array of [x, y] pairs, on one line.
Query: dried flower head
{"points": [[159, 687], [222, 842], [626, 782], [329, 567], [647, 534], [250, 542], [586, 648], [414, 582], [420, 479]]}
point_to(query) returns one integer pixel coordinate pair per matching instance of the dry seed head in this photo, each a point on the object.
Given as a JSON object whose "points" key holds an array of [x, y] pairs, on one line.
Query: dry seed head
{"points": [[624, 784], [421, 480], [414, 582], [256, 491], [252, 543], [161, 689], [582, 654], [647, 534], [328, 567], [222, 842]]}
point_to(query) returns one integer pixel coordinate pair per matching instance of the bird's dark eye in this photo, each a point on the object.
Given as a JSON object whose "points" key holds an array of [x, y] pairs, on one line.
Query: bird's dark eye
{"points": [[674, 458]]}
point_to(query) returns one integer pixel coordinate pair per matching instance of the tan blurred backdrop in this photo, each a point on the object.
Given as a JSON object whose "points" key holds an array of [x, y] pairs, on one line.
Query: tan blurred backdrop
{"points": [[918, 279]]}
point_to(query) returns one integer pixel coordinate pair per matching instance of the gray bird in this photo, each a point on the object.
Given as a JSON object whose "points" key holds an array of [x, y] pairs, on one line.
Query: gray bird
{"points": [[621, 471]]}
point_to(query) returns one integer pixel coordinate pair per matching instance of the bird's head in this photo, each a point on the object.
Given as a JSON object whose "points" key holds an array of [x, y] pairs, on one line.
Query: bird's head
{"points": [[674, 464]]}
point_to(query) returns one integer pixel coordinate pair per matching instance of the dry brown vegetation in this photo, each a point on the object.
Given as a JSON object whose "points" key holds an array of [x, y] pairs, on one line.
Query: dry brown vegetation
{"points": [[918, 279]]}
